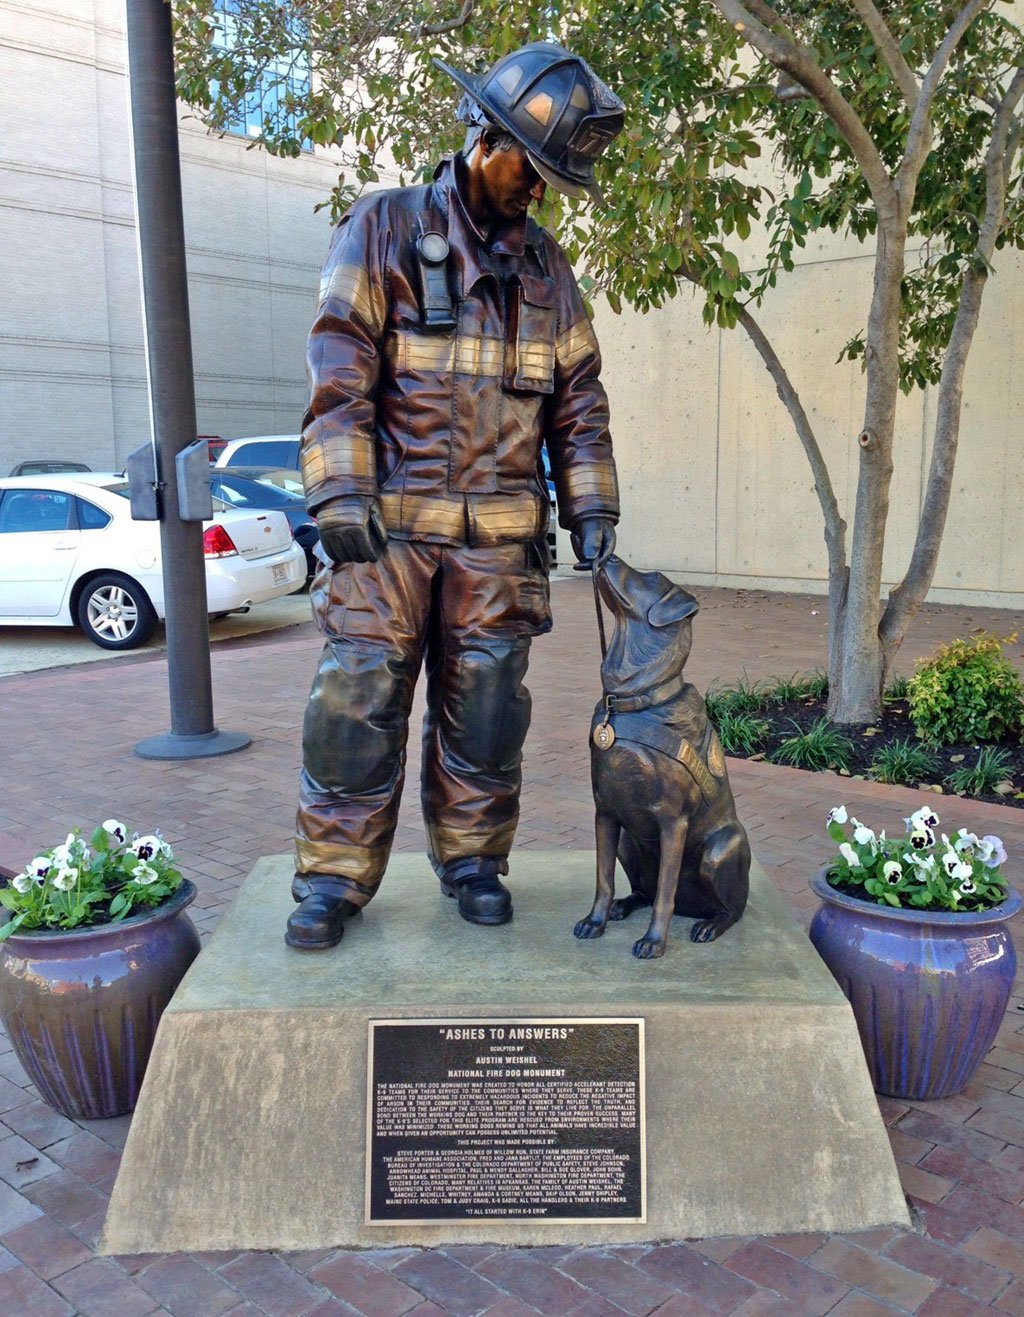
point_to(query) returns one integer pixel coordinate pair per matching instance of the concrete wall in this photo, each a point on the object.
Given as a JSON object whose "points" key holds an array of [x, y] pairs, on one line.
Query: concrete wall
{"points": [[715, 485]]}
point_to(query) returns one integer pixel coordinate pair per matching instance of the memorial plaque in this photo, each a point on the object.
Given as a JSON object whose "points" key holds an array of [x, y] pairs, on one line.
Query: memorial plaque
{"points": [[505, 1119]]}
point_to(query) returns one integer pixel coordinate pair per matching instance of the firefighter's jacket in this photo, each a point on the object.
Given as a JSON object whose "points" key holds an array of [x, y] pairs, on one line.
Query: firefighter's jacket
{"points": [[446, 425]]}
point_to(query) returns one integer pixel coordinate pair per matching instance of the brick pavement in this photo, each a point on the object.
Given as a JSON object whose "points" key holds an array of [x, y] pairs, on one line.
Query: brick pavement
{"points": [[67, 737]]}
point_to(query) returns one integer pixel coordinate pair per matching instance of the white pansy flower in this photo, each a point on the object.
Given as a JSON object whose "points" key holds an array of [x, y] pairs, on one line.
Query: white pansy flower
{"points": [[965, 841], [149, 848], [69, 850], [65, 878], [922, 837], [116, 830], [837, 815], [995, 852], [923, 817], [955, 866], [144, 874], [850, 855], [924, 864], [38, 868], [23, 882], [863, 836], [967, 887], [892, 871]]}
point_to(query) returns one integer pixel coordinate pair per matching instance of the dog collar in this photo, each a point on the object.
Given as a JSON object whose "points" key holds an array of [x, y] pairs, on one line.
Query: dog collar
{"points": [[647, 699], [705, 763]]}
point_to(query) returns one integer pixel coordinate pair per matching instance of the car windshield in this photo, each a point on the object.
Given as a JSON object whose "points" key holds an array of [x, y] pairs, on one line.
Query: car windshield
{"points": [[43, 468]]}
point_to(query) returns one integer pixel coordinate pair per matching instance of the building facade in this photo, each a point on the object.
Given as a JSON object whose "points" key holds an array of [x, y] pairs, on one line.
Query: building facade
{"points": [[72, 367]]}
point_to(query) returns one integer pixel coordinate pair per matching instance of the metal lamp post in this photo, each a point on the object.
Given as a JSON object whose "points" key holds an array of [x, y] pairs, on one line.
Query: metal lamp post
{"points": [[157, 173]]}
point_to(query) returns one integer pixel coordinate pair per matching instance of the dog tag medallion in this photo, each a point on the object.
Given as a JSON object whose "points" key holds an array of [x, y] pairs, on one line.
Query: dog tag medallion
{"points": [[604, 736]]}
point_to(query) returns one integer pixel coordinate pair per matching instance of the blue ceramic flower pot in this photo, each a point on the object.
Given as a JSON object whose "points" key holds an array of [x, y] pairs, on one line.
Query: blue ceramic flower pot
{"points": [[81, 1005], [928, 990]]}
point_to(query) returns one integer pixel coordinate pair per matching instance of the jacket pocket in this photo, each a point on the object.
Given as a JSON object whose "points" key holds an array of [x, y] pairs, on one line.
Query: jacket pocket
{"points": [[535, 336], [328, 598]]}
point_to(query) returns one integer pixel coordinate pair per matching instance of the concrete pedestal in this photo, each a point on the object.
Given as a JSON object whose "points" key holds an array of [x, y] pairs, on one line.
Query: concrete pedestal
{"points": [[250, 1131]]}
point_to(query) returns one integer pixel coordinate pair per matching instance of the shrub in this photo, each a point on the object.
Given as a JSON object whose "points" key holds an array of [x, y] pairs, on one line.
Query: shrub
{"points": [[984, 776], [741, 732], [902, 763], [781, 690], [897, 688], [821, 746], [967, 692], [743, 697], [816, 684]]}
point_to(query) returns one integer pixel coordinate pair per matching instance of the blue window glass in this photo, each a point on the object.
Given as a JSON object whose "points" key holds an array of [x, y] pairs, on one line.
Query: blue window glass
{"points": [[283, 81], [90, 517]]}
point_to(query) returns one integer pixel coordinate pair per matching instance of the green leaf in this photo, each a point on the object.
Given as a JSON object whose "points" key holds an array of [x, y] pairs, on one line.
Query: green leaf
{"points": [[11, 926]]}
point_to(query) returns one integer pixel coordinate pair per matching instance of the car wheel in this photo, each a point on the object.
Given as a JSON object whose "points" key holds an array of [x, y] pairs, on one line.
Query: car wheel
{"points": [[115, 613]]}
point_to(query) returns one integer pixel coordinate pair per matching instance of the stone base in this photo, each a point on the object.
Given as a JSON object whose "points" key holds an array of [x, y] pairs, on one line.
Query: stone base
{"points": [[250, 1131]]}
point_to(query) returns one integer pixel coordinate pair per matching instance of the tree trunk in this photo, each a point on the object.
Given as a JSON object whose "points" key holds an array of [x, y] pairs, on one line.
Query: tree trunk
{"points": [[909, 595], [857, 696]]}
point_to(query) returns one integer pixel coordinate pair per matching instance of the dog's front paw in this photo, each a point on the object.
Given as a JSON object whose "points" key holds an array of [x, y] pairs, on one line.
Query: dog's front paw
{"points": [[589, 927], [649, 947]]}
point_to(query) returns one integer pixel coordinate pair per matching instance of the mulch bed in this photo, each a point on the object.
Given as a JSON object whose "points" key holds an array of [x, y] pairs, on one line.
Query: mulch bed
{"points": [[894, 725]]}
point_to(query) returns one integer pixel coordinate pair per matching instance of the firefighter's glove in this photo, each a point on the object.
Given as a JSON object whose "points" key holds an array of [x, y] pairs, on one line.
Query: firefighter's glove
{"points": [[352, 528], [593, 539]]}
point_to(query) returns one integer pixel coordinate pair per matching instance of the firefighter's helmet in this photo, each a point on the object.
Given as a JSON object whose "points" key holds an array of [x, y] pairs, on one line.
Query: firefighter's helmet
{"points": [[553, 104]]}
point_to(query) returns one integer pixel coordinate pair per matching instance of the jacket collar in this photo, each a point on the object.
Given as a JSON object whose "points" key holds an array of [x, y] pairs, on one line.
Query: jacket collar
{"points": [[510, 238]]}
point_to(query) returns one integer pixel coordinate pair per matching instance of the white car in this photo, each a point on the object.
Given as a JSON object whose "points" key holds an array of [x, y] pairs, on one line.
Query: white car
{"points": [[71, 553]]}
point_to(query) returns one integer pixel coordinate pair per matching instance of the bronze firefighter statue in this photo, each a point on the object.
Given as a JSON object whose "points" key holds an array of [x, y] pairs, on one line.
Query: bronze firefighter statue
{"points": [[450, 343]]}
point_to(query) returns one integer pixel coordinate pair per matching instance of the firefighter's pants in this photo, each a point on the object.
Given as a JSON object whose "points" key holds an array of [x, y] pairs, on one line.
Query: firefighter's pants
{"points": [[470, 614]]}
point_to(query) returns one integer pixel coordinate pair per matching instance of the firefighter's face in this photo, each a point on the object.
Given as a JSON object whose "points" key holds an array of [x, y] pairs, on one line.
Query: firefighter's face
{"points": [[510, 182]]}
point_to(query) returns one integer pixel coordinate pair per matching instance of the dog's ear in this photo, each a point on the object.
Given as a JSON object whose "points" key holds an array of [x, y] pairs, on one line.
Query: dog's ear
{"points": [[673, 606]]}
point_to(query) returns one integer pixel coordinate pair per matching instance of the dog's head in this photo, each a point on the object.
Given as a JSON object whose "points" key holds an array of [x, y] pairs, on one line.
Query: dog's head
{"points": [[652, 636]]}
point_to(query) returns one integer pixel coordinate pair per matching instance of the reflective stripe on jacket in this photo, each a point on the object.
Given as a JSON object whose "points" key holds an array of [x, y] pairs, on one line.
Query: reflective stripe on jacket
{"points": [[447, 425]]}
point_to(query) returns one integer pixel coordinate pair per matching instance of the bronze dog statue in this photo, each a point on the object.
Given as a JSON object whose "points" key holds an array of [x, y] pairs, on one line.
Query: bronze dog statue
{"points": [[664, 805]]}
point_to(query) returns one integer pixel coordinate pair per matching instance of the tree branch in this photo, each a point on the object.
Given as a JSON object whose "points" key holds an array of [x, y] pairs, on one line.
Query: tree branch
{"points": [[769, 17], [835, 527], [888, 47], [451, 24], [794, 58], [907, 597], [919, 135]]}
